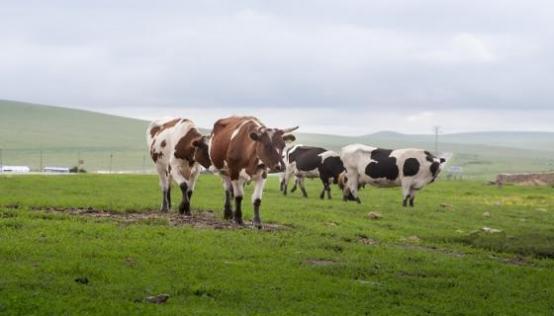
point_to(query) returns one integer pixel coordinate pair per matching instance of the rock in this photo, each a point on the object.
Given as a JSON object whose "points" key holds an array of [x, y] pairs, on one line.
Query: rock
{"points": [[413, 239], [490, 230], [374, 215], [367, 241], [487, 214], [158, 299], [82, 280]]}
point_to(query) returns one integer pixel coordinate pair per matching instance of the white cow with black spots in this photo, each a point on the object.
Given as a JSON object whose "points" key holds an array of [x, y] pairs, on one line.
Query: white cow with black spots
{"points": [[409, 168]]}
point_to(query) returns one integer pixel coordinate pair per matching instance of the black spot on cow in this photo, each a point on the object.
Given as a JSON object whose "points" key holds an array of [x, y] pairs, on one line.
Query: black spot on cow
{"points": [[332, 167], [429, 156], [434, 169], [306, 158], [411, 167], [383, 166]]}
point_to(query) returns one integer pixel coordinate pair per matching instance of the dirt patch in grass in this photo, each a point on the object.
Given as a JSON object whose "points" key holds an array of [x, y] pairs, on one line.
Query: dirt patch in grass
{"points": [[319, 262], [531, 244], [199, 219]]}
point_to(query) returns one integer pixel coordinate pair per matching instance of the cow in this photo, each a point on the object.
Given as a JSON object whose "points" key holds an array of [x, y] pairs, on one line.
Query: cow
{"points": [[408, 168], [179, 152], [311, 162], [242, 149]]}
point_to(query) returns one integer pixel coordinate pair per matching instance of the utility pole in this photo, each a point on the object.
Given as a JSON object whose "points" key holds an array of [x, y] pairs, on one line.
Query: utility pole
{"points": [[40, 163], [78, 161], [437, 131], [111, 162]]}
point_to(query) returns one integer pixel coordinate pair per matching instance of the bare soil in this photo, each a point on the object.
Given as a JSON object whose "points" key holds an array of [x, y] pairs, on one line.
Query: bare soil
{"points": [[199, 219]]}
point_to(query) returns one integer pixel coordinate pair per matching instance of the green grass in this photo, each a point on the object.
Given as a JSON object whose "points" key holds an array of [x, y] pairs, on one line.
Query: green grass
{"points": [[451, 268], [36, 135]]}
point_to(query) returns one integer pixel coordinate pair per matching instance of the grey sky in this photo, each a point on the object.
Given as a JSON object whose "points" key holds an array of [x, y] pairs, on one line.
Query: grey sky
{"points": [[348, 67]]}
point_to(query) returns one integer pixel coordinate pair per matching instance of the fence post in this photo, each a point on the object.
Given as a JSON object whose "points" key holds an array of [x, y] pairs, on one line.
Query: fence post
{"points": [[111, 162]]}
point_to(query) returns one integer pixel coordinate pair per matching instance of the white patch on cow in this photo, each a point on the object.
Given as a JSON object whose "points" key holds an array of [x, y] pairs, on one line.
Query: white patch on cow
{"points": [[238, 186], [326, 154], [244, 175], [237, 130], [258, 187]]}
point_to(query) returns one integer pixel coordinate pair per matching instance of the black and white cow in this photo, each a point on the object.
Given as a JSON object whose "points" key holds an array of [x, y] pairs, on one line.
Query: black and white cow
{"points": [[311, 162], [408, 168]]}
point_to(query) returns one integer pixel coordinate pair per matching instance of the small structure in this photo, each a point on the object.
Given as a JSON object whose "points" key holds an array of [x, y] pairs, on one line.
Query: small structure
{"points": [[545, 178], [55, 169], [15, 169], [455, 173]]}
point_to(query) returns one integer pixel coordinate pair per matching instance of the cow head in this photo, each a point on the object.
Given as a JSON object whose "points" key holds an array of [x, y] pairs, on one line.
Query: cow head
{"points": [[270, 143], [202, 152]]}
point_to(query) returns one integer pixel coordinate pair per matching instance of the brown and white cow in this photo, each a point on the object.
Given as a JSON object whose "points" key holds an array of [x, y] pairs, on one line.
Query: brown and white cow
{"points": [[242, 149], [179, 151]]}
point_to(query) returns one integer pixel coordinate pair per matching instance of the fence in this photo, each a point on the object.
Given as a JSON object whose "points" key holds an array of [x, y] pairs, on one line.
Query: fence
{"points": [[88, 159]]}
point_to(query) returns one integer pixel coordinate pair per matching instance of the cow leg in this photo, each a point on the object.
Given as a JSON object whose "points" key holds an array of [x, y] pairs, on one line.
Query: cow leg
{"points": [[296, 180], [329, 191], [406, 190], [187, 192], [286, 178], [185, 186], [228, 187], [238, 189], [257, 200], [325, 184], [412, 197], [165, 186], [302, 188]]}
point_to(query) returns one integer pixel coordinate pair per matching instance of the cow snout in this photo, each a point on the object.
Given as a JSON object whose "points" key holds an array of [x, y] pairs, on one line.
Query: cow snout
{"points": [[279, 167]]}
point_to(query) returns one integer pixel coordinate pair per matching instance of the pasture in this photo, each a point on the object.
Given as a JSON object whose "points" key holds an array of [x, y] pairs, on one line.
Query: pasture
{"points": [[94, 244]]}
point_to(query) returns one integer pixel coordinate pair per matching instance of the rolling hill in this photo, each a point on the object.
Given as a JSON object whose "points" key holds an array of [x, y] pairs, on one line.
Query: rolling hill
{"points": [[39, 135]]}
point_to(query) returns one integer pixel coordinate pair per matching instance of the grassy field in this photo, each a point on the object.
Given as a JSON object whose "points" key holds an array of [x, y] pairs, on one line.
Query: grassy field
{"points": [[37, 135], [319, 258]]}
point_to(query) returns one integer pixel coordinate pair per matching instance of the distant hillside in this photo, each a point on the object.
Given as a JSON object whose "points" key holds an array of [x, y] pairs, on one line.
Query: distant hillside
{"points": [[38, 135], [31, 126]]}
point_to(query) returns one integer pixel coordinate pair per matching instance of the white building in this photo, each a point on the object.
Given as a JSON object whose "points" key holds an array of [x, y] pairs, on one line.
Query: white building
{"points": [[15, 169], [56, 169]]}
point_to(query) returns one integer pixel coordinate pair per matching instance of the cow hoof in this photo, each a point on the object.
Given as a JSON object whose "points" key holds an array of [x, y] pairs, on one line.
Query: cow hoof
{"points": [[164, 210], [227, 214], [239, 221], [257, 225]]}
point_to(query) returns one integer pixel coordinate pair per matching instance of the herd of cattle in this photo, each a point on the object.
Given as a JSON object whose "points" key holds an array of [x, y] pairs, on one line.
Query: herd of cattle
{"points": [[242, 149]]}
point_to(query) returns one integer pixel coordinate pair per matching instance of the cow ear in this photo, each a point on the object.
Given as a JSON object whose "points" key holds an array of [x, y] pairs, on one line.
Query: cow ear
{"points": [[443, 160], [197, 142], [289, 138], [255, 136]]}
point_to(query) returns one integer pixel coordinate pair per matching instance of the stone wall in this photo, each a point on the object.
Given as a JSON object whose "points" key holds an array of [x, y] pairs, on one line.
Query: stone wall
{"points": [[546, 178]]}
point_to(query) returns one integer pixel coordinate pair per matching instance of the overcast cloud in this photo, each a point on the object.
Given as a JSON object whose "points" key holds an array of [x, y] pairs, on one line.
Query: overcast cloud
{"points": [[345, 67]]}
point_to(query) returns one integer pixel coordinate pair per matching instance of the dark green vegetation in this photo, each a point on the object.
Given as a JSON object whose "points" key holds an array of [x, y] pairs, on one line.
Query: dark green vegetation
{"points": [[38, 135], [327, 257]]}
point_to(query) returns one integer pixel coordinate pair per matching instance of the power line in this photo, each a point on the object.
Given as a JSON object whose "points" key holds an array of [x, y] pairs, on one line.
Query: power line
{"points": [[437, 131]]}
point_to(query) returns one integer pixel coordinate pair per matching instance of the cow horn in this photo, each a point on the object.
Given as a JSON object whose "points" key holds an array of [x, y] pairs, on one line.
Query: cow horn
{"points": [[288, 130]]}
